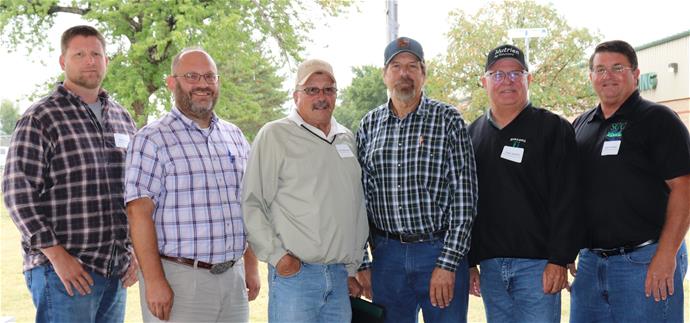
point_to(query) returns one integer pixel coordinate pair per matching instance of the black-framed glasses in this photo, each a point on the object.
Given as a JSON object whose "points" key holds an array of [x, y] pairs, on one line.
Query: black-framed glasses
{"points": [[313, 91], [191, 77], [617, 69], [500, 76]]}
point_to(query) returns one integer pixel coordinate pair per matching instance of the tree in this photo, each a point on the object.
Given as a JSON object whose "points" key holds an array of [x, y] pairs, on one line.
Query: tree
{"points": [[366, 92], [557, 61], [9, 114], [248, 38]]}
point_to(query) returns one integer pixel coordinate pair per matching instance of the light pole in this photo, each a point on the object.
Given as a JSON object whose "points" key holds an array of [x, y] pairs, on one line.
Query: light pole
{"points": [[527, 33], [392, 19]]}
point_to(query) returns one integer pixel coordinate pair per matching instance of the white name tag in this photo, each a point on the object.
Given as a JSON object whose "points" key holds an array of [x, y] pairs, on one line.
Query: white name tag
{"points": [[513, 154], [121, 140], [344, 151], [611, 147]]}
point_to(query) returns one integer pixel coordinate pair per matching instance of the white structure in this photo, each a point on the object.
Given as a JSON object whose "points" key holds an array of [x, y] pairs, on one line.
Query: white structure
{"points": [[665, 73]]}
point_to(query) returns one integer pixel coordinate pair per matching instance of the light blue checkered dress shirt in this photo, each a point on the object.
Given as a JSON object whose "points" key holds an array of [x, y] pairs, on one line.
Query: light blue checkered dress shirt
{"points": [[193, 177]]}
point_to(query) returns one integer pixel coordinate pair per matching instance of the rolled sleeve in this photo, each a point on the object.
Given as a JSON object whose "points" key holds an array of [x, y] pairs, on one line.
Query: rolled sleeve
{"points": [[144, 172]]}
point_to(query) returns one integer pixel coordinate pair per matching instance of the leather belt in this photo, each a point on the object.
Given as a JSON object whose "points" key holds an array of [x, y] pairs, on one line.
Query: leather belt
{"points": [[409, 238], [215, 269], [620, 250]]}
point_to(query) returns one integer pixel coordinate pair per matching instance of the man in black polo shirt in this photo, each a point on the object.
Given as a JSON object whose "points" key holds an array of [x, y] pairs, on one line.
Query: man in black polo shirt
{"points": [[635, 165], [525, 233]]}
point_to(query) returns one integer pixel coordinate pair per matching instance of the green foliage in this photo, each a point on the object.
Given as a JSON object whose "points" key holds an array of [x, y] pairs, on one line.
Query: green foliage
{"points": [[556, 61], [9, 114], [365, 93], [249, 39]]}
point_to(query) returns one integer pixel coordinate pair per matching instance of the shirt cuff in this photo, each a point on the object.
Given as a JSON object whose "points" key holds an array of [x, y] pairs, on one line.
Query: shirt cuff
{"points": [[448, 260]]}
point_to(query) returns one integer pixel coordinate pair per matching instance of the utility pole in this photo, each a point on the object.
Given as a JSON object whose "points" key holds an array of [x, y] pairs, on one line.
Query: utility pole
{"points": [[392, 19]]}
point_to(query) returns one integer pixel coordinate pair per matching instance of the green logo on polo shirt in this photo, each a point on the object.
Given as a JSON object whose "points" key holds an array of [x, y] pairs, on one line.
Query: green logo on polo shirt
{"points": [[517, 142], [616, 130]]}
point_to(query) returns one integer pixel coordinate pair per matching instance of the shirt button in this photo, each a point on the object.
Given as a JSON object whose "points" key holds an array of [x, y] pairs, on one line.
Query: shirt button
{"points": [[398, 186], [398, 165]]}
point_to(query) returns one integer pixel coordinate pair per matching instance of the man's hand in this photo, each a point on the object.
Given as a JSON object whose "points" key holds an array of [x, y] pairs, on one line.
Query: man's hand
{"points": [[364, 279], [572, 269], [130, 277], [441, 287], [288, 265], [253, 282], [159, 298], [353, 287], [251, 272], [69, 269], [474, 282], [573, 272], [659, 281], [554, 279]]}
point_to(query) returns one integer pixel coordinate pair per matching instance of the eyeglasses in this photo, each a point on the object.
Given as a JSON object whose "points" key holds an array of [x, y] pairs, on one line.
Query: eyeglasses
{"points": [[314, 91], [500, 76], [617, 69], [192, 77]]}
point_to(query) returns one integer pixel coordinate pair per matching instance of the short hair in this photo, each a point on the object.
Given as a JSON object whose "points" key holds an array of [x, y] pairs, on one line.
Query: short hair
{"points": [[176, 59], [81, 30], [615, 46]]}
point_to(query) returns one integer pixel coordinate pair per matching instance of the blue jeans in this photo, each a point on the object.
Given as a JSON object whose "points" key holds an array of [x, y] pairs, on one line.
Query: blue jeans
{"points": [[106, 303], [316, 293], [513, 291], [612, 289], [400, 277]]}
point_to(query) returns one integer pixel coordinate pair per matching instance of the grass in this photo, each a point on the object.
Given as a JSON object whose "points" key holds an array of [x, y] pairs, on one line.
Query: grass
{"points": [[15, 301]]}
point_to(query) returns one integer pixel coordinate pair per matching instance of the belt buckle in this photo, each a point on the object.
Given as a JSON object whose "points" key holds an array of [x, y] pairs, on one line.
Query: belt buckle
{"points": [[222, 267]]}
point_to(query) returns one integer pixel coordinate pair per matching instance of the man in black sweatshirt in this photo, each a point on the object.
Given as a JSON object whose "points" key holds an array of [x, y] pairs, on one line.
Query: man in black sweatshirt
{"points": [[526, 229]]}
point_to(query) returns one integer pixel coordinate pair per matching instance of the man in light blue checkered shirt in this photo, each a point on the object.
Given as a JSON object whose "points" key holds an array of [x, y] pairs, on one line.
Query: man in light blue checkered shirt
{"points": [[182, 189], [420, 184]]}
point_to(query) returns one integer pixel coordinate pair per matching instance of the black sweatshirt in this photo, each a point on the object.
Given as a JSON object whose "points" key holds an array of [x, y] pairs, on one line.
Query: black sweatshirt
{"points": [[527, 189]]}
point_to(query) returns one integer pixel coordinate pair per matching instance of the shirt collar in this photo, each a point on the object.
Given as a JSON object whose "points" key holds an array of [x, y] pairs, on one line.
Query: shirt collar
{"points": [[189, 123], [102, 94], [336, 128], [627, 108], [490, 118], [421, 110]]}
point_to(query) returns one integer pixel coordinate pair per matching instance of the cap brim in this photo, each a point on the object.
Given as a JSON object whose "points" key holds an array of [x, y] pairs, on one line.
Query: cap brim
{"points": [[402, 51], [306, 78], [513, 58]]}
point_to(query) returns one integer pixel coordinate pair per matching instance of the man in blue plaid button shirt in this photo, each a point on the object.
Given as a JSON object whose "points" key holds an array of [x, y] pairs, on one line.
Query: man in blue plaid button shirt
{"points": [[420, 185]]}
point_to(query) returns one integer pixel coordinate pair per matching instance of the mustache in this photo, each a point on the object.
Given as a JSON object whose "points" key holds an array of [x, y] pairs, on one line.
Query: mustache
{"points": [[207, 89], [404, 81], [321, 105]]}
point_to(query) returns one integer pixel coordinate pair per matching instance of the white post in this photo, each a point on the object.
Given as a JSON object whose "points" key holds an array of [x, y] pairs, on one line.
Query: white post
{"points": [[527, 33], [392, 19]]}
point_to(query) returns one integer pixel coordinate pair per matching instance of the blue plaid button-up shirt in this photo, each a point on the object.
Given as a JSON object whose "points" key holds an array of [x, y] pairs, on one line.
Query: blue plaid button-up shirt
{"points": [[193, 176], [419, 174]]}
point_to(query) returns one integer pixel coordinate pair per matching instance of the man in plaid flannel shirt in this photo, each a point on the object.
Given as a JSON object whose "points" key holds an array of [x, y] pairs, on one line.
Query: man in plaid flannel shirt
{"points": [[420, 186], [63, 188]]}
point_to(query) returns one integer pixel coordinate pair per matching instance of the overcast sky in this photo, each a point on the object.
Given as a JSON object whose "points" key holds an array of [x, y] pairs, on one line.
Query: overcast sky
{"points": [[359, 37]]}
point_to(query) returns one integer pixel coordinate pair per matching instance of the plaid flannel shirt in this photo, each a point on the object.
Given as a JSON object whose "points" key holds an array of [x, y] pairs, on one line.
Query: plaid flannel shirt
{"points": [[419, 174], [63, 181]]}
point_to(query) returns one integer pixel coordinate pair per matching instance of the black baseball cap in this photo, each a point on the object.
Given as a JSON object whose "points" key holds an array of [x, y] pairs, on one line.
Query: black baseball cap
{"points": [[505, 51], [403, 44]]}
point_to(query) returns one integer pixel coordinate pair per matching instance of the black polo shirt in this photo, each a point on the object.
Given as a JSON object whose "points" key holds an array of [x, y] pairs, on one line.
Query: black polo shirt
{"points": [[527, 189], [625, 161]]}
